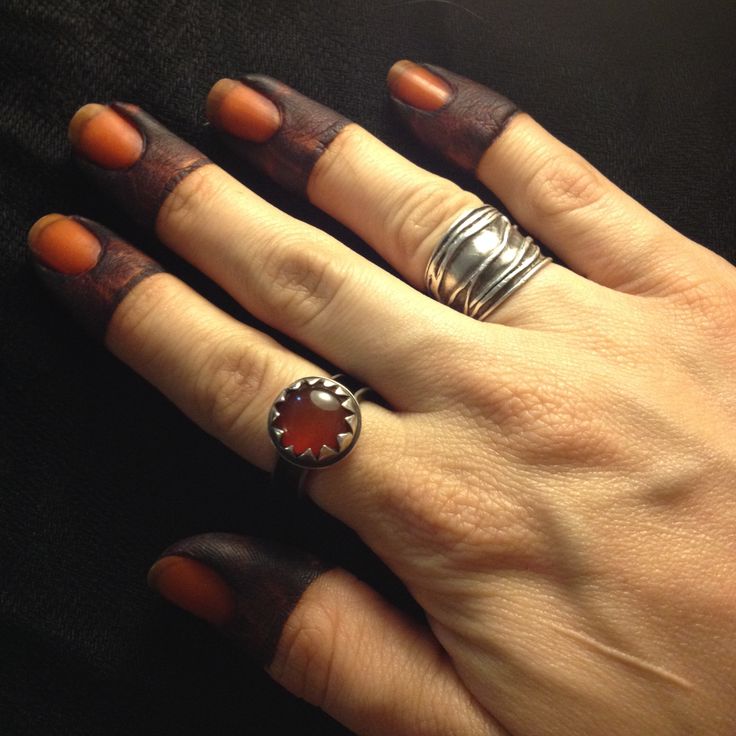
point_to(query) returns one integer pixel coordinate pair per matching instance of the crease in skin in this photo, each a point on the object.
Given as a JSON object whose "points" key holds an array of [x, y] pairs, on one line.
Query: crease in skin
{"points": [[628, 659]]}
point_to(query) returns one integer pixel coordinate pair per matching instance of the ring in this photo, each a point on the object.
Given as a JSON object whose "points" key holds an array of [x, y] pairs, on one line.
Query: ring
{"points": [[313, 423], [480, 262]]}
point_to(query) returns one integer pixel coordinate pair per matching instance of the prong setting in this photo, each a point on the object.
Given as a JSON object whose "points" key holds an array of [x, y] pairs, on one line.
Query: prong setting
{"points": [[331, 417]]}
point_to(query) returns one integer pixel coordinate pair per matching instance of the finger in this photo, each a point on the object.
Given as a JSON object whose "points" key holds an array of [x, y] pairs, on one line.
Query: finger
{"points": [[597, 229], [322, 634], [288, 274], [220, 372], [401, 210]]}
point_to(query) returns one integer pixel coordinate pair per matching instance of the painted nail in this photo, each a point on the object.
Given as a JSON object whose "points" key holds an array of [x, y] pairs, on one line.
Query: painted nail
{"points": [[469, 118], [194, 587], [303, 131], [241, 111], [64, 245], [417, 86], [244, 586], [88, 267], [102, 134], [105, 137]]}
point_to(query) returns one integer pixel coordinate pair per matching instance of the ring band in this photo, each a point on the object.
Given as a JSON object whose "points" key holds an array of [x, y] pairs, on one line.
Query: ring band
{"points": [[480, 262], [313, 423]]}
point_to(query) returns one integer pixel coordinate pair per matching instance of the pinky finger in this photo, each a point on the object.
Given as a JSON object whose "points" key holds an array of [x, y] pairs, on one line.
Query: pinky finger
{"points": [[323, 635]]}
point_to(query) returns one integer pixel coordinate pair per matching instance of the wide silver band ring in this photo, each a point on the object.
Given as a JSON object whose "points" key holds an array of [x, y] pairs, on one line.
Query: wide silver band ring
{"points": [[480, 262], [313, 423]]}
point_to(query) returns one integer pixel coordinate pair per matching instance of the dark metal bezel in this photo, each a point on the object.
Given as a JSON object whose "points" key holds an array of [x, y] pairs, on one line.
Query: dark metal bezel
{"points": [[346, 440]]}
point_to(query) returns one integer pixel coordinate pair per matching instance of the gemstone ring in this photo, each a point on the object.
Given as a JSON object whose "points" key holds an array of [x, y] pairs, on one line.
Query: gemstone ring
{"points": [[313, 423]]}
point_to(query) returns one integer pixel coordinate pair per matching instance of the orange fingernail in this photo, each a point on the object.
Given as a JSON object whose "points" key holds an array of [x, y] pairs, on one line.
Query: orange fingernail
{"points": [[64, 245], [194, 587], [417, 86], [241, 111], [105, 137]]}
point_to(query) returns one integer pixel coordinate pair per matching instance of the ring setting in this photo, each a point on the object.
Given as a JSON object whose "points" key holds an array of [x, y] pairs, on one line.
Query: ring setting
{"points": [[314, 422]]}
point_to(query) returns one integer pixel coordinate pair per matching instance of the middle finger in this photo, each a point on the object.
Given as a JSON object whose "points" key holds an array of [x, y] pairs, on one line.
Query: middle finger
{"points": [[287, 273], [398, 208]]}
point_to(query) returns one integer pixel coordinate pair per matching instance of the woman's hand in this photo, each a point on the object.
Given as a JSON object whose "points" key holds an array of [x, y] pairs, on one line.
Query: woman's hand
{"points": [[554, 486]]}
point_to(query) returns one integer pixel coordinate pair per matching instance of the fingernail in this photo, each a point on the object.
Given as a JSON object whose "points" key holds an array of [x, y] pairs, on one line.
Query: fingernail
{"points": [[104, 137], [194, 587], [241, 111], [246, 587], [417, 86], [64, 245]]}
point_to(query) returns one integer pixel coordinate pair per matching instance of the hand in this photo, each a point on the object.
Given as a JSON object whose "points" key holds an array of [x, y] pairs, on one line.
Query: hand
{"points": [[553, 485]]}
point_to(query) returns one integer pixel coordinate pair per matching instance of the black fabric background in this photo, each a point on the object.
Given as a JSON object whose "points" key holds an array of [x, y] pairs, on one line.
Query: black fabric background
{"points": [[98, 472]]}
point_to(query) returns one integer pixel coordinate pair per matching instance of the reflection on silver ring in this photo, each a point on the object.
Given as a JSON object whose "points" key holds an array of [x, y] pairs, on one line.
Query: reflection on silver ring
{"points": [[480, 262]]}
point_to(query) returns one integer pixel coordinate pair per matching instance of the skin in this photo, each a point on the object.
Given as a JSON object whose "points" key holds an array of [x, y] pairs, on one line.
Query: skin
{"points": [[555, 493]]}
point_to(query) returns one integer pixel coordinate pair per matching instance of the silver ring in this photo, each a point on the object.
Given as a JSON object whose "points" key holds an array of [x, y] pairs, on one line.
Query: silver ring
{"points": [[480, 262]]}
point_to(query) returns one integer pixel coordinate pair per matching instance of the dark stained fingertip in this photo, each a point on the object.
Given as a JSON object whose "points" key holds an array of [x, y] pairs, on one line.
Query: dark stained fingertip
{"points": [[417, 86], [288, 155], [63, 245], [235, 108], [141, 187], [88, 267], [469, 118], [247, 587], [104, 137], [194, 587]]}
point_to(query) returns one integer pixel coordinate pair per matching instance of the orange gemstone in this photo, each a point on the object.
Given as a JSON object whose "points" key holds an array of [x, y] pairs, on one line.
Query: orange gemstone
{"points": [[311, 417]]}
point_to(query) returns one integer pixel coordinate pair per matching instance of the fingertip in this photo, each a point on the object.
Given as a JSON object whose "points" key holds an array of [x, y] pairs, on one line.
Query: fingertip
{"points": [[216, 95], [80, 118], [42, 222], [194, 587], [417, 86], [240, 110], [396, 70], [104, 137], [63, 244]]}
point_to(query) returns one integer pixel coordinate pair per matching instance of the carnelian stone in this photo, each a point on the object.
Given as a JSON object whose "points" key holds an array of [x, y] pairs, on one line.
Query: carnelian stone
{"points": [[311, 417]]}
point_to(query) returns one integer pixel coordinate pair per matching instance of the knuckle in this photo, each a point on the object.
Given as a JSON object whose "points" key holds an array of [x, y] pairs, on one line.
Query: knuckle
{"points": [[131, 318], [192, 197], [229, 388], [447, 505], [553, 423], [423, 214], [709, 303], [562, 185], [300, 278], [551, 419]]}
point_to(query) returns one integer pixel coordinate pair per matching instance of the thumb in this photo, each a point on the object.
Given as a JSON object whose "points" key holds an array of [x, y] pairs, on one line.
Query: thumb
{"points": [[323, 635]]}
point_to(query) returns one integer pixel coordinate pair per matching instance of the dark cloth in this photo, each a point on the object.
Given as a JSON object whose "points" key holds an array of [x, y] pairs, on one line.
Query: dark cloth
{"points": [[99, 472]]}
